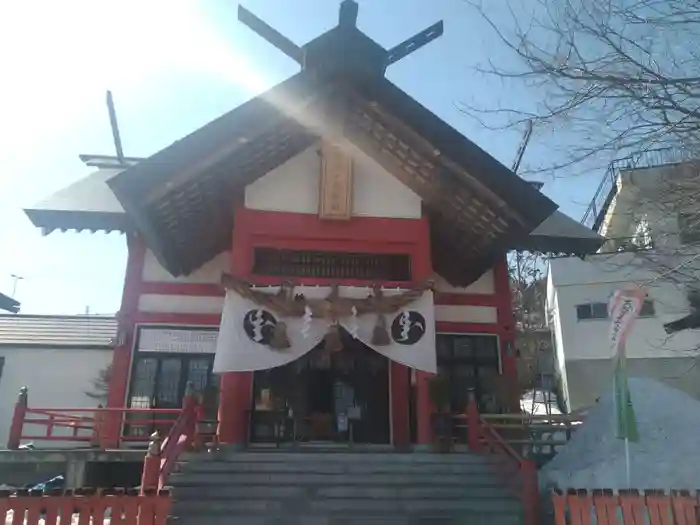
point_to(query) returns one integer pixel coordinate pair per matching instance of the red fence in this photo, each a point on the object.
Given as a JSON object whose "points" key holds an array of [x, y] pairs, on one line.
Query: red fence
{"points": [[519, 473], [628, 507], [85, 507], [100, 427]]}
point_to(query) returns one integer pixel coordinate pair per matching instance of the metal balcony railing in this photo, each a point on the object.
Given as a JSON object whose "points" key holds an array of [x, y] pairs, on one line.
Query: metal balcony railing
{"points": [[608, 187]]}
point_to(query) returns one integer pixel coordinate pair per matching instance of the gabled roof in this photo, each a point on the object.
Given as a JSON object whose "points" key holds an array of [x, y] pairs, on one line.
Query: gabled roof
{"points": [[559, 233], [182, 198], [58, 331]]}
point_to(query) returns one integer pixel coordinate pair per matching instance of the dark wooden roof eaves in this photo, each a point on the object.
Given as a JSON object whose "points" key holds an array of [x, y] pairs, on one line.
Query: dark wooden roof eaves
{"points": [[176, 219], [559, 245], [50, 220], [532, 205], [206, 145]]}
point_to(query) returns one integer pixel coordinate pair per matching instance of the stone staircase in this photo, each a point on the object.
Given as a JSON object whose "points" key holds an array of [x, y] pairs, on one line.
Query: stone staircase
{"points": [[340, 488]]}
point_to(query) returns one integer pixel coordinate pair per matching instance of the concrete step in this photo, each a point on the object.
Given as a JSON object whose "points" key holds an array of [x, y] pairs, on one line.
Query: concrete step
{"points": [[340, 488], [335, 467], [346, 507], [274, 492], [335, 457], [223, 478], [310, 519]]}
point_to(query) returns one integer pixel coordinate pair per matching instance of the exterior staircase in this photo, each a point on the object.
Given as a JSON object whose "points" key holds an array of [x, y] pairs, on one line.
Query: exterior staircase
{"points": [[340, 488]]}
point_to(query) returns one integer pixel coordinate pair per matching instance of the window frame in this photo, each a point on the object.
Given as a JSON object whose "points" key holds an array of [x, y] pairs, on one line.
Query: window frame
{"points": [[474, 362], [689, 235], [649, 303], [593, 308]]}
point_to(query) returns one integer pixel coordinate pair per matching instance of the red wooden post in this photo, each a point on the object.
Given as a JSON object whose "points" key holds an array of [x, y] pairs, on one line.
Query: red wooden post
{"points": [[633, 506], [606, 505], [684, 507], [147, 506], [162, 507], [34, 506], [4, 504], [190, 410], [531, 493], [473, 423], [18, 417], [97, 424], [131, 507], [151, 465]]}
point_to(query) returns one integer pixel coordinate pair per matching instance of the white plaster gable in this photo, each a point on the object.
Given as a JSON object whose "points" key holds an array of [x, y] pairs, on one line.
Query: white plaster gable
{"points": [[294, 187]]}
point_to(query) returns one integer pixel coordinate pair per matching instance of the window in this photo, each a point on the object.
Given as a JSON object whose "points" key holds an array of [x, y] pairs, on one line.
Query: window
{"points": [[592, 311], [689, 227], [469, 361], [647, 309], [332, 265]]}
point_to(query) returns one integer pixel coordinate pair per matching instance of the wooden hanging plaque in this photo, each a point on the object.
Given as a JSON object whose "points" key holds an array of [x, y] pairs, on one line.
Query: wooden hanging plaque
{"points": [[335, 197]]}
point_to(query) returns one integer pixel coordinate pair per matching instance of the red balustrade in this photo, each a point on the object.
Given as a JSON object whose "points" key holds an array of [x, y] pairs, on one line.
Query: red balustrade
{"points": [[116, 507], [518, 472], [627, 507], [99, 427]]}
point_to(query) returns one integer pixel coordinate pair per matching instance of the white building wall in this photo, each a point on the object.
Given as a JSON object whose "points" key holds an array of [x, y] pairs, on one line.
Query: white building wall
{"points": [[576, 282], [209, 272], [294, 187], [484, 285], [582, 345], [54, 377], [555, 328]]}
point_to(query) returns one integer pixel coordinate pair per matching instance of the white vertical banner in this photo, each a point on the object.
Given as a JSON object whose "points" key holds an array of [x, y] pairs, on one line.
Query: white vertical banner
{"points": [[624, 308]]}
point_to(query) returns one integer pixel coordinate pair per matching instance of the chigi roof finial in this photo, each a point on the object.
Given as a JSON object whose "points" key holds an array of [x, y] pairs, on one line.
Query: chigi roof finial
{"points": [[347, 16], [343, 50]]}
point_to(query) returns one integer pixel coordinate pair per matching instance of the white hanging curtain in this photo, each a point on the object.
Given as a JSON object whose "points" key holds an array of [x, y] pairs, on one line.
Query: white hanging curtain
{"points": [[249, 333]]}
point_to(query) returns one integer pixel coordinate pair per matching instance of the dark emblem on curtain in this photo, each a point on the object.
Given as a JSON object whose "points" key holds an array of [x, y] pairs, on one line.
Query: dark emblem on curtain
{"points": [[259, 326], [408, 327]]}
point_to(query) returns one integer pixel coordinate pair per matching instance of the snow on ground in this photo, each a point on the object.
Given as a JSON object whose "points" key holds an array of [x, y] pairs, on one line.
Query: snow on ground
{"points": [[541, 403], [665, 457]]}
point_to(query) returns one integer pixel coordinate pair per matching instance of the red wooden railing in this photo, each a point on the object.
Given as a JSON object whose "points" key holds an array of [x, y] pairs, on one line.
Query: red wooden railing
{"points": [[183, 435], [519, 473], [628, 507], [84, 507], [99, 427]]}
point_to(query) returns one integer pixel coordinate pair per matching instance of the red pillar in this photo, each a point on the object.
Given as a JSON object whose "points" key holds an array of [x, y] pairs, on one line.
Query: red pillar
{"points": [[121, 356], [506, 320], [236, 388], [235, 402], [400, 421], [424, 409], [423, 269]]}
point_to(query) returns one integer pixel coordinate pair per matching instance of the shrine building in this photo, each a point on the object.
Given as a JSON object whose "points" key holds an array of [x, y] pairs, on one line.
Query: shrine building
{"points": [[312, 258]]}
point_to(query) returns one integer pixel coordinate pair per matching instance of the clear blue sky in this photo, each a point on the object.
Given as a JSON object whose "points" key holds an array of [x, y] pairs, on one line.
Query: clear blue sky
{"points": [[173, 66]]}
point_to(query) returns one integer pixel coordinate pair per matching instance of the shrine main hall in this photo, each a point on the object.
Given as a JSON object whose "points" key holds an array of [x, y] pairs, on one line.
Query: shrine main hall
{"points": [[312, 260]]}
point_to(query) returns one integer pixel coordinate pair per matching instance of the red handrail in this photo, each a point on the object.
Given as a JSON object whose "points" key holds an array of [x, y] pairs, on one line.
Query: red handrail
{"points": [[99, 426], [162, 457], [520, 473]]}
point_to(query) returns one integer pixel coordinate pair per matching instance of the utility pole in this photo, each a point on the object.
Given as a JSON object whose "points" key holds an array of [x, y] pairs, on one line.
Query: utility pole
{"points": [[15, 279]]}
